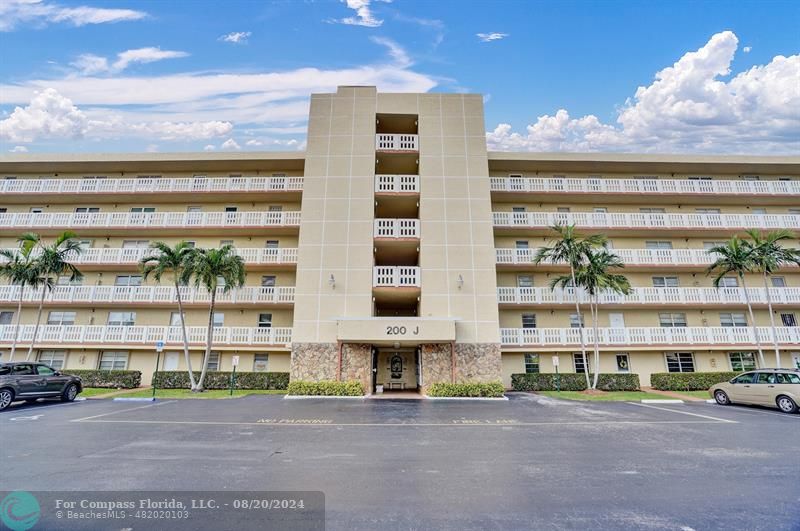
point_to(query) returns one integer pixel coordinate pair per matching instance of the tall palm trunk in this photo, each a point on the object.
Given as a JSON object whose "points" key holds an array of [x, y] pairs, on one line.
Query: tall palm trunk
{"points": [[185, 337], [209, 337], [595, 319], [580, 322], [38, 320], [753, 320], [772, 323], [16, 324]]}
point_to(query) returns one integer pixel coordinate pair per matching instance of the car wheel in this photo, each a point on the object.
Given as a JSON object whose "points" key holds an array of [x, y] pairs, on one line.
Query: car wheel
{"points": [[722, 398], [69, 393], [6, 397], [786, 404]]}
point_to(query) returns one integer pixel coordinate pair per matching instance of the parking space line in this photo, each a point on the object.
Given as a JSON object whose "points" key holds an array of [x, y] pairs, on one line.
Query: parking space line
{"points": [[683, 412], [122, 411], [37, 407], [758, 412]]}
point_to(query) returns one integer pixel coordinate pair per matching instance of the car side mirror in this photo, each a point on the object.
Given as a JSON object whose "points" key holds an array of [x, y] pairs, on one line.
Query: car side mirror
{"points": [[732, 380], [57, 373]]}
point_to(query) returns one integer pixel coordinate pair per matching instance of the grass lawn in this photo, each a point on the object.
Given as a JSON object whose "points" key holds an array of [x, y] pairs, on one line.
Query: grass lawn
{"points": [[186, 393], [608, 396], [89, 392]]}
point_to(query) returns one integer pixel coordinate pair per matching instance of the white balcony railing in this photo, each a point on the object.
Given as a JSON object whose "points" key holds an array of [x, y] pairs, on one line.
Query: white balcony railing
{"points": [[645, 221], [149, 220], [151, 186], [397, 228], [626, 337], [131, 256], [397, 184], [145, 335], [657, 296], [150, 294], [396, 276], [387, 142], [643, 186]]}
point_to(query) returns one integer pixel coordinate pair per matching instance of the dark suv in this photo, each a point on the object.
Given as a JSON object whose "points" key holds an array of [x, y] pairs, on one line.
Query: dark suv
{"points": [[25, 380]]}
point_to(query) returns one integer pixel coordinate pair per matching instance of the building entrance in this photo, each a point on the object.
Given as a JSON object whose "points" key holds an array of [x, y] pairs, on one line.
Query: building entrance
{"points": [[395, 370]]}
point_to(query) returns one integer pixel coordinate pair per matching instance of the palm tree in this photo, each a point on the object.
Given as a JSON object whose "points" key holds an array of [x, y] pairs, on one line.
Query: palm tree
{"points": [[594, 277], [768, 256], [53, 260], [736, 256], [209, 267], [175, 261], [20, 270], [567, 246]]}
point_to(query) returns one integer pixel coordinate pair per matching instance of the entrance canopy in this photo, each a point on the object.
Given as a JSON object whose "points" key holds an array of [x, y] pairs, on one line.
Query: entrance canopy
{"points": [[391, 331]]}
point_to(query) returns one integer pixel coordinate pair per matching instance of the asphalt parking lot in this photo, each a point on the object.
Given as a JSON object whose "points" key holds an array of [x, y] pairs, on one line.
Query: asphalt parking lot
{"points": [[529, 463]]}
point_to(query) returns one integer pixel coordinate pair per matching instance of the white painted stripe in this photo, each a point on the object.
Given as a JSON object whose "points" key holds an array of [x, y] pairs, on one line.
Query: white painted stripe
{"points": [[684, 413], [661, 401], [123, 411]]}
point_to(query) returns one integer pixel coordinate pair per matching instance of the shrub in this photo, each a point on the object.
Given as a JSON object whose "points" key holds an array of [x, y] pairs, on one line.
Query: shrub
{"points": [[466, 389], [573, 382], [326, 388], [689, 381], [109, 379], [222, 380]]}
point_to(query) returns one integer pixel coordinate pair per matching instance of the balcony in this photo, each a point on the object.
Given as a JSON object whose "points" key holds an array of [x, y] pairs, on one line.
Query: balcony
{"points": [[148, 220], [114, 257], [150, 295], [648, 337], [667, 187], [397, 184], [629, 223], [147, 336], [651, 296], [397, 228], [396, 143], [396, 277], [185, 185]]}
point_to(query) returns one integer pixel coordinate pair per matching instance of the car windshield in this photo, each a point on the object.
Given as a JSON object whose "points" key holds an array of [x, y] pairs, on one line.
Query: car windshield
{"points": [[744, 378]]}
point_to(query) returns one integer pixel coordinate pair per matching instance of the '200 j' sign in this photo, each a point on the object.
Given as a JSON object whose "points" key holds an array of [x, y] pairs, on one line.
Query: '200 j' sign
{"points": [[401, 331]]}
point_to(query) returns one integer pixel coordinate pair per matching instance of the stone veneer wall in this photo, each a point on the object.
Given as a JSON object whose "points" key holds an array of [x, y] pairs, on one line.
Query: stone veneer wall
{"points": [[314, 361], [436, 364], [357, 364], [478, 362]]}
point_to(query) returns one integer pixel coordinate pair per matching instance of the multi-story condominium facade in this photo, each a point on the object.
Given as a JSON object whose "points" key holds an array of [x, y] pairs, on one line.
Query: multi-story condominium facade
{"points": [[397, 251]]}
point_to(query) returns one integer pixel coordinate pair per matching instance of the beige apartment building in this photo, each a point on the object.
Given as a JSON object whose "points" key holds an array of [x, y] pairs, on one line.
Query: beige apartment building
{"points": [[397, 251]]}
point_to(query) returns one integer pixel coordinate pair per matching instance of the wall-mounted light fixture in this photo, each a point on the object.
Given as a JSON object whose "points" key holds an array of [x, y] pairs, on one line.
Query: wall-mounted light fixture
{"points": [[332, 281], [460, 281]]}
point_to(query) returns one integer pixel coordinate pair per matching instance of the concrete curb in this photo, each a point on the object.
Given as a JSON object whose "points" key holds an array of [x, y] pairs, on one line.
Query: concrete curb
{"points": [[133, 399], [488, 399], [711, 401], [660, 401], [307, 397]]}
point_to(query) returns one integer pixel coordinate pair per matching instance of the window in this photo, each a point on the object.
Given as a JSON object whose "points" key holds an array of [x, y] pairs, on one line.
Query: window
{"points": [[794, 211], [665, 282], [213, 361], [759, 211], [563, 210], [276, 208], [194, 209], [710, 245], [175, 319], [699, 178], [580, 363], [22, 369], [231, 209], [778, 282], [672, 320], [265, 320], [190, 244], [67, 280], [788, 378], [271, 244], [44, 370], [113, 360], [36, 210], [6, 317], [658, 245], [729, 282], [54, 358], [745, 378], [143, 210], [600, 210], [788, 319], [87, 210], [576, 321], [531, 363], [528, 320], [223, 243], [517, 209], [707, 210], [128, 280], [148, 176], [261, 363], [651, 210], [742, 361], [121, 318], [61, 318], [732, 319], [135, 244], [623, 363], [524, 281], [268, 281], [85, 244], [219, 319], [523, 244], [751, 178], [680, 362]]}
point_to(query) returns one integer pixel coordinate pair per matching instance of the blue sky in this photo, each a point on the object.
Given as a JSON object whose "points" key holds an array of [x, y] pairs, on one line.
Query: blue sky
{"points": [[557, 76]]}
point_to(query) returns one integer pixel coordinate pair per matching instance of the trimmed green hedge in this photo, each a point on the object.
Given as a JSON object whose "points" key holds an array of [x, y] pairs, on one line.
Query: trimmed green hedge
{"points": [[467, 389], [222, 380], [689, 381], [110, 379], [326, 388], [573, 382]]}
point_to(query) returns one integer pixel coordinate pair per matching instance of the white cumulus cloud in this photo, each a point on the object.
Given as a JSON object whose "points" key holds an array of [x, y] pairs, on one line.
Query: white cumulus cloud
{"points": [[689, 107], [90, 64], [40, 13], [230, 145], [489, 37], [209, 147], [364, 15], [747, 49], [236, 37], [19, 149]]}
